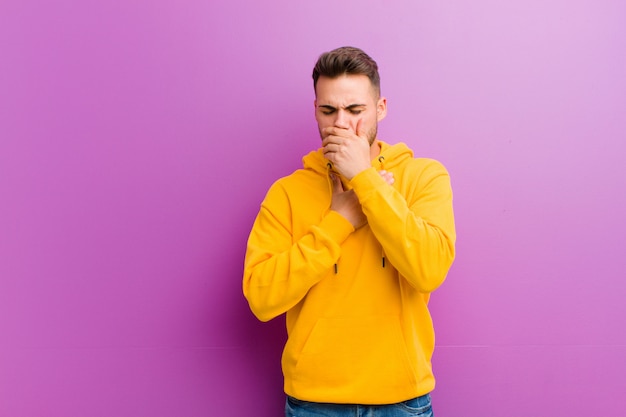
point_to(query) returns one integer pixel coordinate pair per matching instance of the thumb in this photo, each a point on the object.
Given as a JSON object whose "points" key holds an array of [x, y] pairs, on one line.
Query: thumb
{"points": [[360, 130]]}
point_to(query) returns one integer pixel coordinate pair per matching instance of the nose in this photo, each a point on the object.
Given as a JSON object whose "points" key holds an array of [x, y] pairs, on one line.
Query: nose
{"points": [[342, 120]]}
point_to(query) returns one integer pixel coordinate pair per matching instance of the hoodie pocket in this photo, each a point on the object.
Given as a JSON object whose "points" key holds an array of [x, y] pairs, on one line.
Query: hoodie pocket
{"points": [[356, 353]]}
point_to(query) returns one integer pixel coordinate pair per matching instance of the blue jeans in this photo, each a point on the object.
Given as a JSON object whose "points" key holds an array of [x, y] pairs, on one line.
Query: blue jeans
{"points": [[420, 407]]}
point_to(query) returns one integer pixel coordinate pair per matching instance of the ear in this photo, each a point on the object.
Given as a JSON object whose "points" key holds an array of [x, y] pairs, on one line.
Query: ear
{"points": [[315, 109], [381, 109]]}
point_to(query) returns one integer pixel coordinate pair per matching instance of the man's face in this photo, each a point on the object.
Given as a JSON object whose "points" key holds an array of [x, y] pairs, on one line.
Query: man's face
{"points": [[344, 101]]}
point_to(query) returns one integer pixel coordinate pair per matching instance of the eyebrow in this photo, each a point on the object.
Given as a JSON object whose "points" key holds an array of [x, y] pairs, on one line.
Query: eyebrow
{"points": [[350, 107]]}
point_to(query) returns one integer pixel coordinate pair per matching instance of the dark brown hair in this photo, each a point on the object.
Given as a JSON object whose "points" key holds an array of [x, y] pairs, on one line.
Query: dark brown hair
{"points": [[346, 60]]}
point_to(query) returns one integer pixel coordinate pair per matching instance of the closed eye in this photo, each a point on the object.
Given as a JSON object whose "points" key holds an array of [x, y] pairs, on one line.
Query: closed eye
{"points": [[328, 109], [356, 108]]}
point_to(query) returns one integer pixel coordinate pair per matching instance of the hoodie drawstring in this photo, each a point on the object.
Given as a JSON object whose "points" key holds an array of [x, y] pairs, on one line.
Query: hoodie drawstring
{"points": [[329, 167], [381, 160]]}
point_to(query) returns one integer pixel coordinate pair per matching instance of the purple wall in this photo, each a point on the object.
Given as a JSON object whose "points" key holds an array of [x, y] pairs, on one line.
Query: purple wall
{"points": [[137, 139]]}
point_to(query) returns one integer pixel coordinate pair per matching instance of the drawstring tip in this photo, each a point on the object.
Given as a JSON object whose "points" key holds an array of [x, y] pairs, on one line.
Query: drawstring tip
{"points": [[383, 261], [336, 268]]}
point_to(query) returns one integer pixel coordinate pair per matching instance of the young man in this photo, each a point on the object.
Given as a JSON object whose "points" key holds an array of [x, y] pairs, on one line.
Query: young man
{"points": [[350, 248]]}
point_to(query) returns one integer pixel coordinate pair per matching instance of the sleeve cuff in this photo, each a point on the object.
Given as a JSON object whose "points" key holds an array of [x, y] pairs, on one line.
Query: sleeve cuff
{"points": [[336, 227], [366, 181]]}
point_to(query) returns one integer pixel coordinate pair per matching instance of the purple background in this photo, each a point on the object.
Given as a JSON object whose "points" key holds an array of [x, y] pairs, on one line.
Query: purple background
{"points": [[137, 139]]}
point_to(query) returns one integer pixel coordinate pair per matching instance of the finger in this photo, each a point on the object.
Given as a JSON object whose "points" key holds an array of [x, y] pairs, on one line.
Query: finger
{"points": [[387, 176], [332, 139], [329, 140], [329, 150], [337, 132], [326, 133]]}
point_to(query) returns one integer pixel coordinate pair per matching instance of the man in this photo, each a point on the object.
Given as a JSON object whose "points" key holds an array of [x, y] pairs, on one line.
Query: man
{"points": [[350, 248]]}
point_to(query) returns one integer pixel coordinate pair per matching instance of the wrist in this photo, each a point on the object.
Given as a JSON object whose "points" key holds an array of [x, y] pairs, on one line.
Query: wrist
{"points": [[354, 173]]}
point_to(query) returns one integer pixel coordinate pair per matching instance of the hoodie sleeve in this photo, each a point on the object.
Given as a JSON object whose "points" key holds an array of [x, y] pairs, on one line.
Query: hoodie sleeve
{"points": [[413, 220], [279, 269]]}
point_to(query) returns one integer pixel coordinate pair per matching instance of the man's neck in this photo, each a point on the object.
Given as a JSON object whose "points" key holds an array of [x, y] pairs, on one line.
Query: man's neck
{"points": [[374, 149]]}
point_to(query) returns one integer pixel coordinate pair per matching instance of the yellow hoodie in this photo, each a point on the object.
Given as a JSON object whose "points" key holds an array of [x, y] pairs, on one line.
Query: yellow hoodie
{"points": [[359, 329]]}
